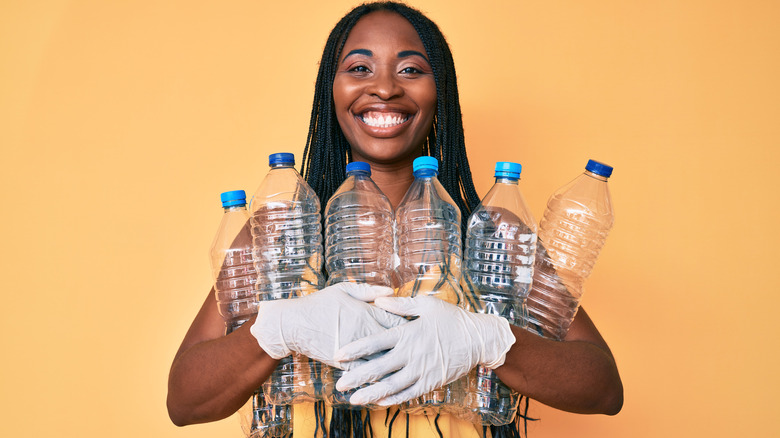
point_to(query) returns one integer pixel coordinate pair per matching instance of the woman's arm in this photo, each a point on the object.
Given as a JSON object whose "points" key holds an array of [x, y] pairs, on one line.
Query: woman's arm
{"points": [[213, 375], [577, 374]]}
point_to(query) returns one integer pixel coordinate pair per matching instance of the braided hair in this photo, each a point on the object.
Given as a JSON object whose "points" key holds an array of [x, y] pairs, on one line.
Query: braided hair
{"points": [[327, 151]]}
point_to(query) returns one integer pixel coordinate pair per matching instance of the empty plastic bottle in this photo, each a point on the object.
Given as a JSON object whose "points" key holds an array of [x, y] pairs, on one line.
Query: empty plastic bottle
{"points": [[571, 234], [231, 264], [359, 231], [359, 245], [500, 249], [429, 239], [234, 280], [498, 270], [287, 253], [429, 251]]}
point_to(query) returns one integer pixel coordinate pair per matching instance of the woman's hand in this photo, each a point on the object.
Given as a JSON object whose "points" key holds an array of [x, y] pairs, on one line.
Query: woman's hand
{"points": [[437, 348], [317, 325]]}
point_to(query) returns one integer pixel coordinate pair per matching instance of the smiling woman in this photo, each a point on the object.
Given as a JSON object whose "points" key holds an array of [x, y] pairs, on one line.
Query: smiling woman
{"points": [[386, 93], [406, 50]]}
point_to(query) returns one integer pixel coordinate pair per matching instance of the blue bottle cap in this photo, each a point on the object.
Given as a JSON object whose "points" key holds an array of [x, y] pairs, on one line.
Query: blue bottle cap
{"points": [[425, 163], [233, 197], [281, 158], [358, 165], [507, 169], [600, 169]]}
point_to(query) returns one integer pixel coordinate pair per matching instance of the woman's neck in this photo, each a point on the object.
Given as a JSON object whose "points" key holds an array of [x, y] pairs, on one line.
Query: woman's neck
{"points": [[393, 180]]}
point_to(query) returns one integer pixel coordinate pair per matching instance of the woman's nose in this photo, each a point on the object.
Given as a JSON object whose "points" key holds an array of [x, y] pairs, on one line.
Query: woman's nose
{"points": [[385, 85]]}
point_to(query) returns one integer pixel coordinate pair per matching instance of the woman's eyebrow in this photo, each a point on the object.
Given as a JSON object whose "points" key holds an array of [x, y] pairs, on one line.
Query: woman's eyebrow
{"points": [[401, 54], [364, 52], [407, 53]]}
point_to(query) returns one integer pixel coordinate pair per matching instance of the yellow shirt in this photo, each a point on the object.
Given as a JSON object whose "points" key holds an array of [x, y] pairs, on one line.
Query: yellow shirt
{"points": [[304, 424]]}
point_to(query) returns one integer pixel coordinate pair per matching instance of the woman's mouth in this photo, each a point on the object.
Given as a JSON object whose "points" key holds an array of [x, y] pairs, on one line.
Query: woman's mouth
{"points": [[376, 119]]}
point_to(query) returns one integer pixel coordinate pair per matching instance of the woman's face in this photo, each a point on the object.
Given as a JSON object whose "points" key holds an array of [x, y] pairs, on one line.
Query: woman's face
{"points": [[384, 91]]}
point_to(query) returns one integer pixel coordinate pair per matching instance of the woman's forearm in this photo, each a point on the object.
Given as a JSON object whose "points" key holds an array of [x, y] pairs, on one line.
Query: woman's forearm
{"points": [[577, 375], [212, 375]]}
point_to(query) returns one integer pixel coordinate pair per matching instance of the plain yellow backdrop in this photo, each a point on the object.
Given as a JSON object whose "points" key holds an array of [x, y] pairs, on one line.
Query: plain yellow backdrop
{"points": [[121, 122]]}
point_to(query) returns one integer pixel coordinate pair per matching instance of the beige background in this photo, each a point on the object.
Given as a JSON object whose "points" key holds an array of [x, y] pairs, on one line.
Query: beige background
{"points": [[121, 122]]}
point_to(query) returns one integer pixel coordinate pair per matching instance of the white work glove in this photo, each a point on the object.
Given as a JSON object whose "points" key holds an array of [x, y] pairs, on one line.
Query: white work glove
{"points": [[318, 324], [437, 348]]}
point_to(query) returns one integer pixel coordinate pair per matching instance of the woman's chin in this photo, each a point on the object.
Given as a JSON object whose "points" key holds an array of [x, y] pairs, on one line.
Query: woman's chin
{"points": [[386, 154]]}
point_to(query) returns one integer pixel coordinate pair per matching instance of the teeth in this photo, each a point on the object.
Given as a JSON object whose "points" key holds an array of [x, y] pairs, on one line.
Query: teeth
{"points": [[379, 120]]}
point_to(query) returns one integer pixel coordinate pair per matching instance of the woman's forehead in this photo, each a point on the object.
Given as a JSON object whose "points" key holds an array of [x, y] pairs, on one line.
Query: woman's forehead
{"points": [[383, 28]]}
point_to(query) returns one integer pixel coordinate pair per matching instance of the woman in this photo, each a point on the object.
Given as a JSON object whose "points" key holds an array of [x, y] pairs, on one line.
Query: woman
{"points": [[386, 93]]}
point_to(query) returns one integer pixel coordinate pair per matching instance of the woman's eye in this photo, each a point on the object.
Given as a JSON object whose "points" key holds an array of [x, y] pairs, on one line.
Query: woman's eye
{"points": [[360, 69], [410, 71]]}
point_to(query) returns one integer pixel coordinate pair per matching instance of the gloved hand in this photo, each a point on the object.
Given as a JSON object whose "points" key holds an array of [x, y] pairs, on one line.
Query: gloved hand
{"points": [[318, 324], [437, 348]]}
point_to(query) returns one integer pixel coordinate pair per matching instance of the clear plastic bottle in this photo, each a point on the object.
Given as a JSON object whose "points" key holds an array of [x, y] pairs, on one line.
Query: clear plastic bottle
{"points": [[231, 263], [573, 230], [500, 249], [359, 231], [429, 251], [287, 253], [359, 245], [498, 270], [234, 280]]}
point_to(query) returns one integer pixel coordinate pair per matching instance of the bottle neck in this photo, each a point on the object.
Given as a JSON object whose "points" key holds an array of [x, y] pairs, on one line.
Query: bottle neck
{"points": [[425, 173], [596, 176], [282, 166], [505, 180], [234, 208]]}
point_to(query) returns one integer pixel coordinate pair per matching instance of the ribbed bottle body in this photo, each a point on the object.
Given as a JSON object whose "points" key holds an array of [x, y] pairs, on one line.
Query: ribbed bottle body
{"points": [[231, 263], [287, 242], [429, 242], [359, 241], [572, 232], [234, 288], [498, 261]]}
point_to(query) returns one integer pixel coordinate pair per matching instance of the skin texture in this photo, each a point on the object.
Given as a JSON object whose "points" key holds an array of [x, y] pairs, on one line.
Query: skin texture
{"points": [[576, 375], [212, 375]]}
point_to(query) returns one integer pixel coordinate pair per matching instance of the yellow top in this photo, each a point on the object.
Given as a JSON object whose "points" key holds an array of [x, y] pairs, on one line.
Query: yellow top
{"points": [[304, 424]]}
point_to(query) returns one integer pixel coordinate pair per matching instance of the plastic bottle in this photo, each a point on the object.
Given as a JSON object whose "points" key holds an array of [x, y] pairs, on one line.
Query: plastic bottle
{"points": [[498, 270], [287, 253], [359, 245], [234, 280], [500, 248], [429, 251], [231, 263], [359, 231], [573, 230]]}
